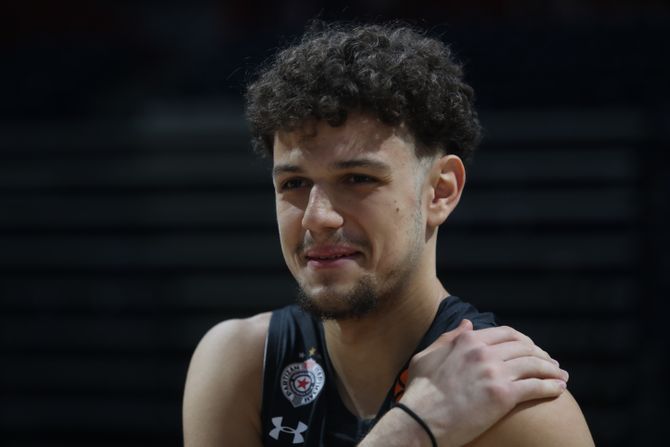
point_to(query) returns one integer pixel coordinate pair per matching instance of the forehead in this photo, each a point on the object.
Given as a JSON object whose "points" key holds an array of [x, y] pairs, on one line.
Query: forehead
{"points": [[360, 135]]}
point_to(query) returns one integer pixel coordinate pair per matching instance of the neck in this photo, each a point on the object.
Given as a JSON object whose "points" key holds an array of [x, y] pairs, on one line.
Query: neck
{"points": [[367, 353]]}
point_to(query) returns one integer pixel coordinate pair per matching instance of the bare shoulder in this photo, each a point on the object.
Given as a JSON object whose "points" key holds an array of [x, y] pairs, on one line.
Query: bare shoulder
{"points": [[553, 422], [222, 396]]}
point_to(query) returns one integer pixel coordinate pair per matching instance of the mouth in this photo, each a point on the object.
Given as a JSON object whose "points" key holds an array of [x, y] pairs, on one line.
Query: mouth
{"points": [[330, 257]]}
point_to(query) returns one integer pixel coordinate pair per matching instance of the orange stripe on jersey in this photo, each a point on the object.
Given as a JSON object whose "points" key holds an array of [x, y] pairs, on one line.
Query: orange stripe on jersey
{"points": [[400, 385]]}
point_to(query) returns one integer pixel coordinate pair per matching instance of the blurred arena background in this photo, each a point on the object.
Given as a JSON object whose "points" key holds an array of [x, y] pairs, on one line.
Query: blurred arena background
{"points": [[133, 215]]}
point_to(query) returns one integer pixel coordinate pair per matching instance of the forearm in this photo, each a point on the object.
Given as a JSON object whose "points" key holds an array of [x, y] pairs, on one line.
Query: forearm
{"points": [[396, 429]]}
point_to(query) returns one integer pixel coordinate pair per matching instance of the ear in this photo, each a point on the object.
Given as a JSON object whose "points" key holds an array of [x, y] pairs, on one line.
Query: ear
{"points": [[447, 179]]}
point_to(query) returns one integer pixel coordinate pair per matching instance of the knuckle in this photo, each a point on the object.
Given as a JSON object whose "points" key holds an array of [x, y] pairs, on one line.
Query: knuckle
{"points": [[513, 334], [534, 365], [507, 331], [467, 337], [476, 355], [489, 372], [527, 339], [540, 352], [550, 387], [415, 360], [498, 393]]}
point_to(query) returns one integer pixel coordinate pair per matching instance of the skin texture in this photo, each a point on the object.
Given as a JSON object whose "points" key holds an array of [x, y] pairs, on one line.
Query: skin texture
{"points": [[222, 403], [322, 202], [545, 422], [359, 191]]}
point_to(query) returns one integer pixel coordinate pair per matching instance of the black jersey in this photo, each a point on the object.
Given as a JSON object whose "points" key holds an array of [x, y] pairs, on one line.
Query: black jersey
{"points": [[301, 404]]}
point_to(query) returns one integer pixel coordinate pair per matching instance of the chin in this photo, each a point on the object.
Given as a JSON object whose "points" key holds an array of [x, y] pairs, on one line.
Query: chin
{"points": [[327, 303]]}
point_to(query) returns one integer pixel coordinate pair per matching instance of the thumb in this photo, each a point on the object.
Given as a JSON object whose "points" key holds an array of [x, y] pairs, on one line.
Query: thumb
{"points": [[464, 326]]}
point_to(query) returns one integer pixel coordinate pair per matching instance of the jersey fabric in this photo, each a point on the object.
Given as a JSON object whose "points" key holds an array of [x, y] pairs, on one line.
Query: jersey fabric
{"points": [[301, 404]]}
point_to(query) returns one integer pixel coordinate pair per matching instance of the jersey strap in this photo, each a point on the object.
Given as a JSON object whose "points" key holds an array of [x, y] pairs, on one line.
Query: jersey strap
{"points": [[294, 380]]}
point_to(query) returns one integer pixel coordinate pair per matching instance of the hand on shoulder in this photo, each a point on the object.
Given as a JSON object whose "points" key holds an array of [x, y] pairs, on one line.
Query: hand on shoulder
{"points": [[467, 381]]}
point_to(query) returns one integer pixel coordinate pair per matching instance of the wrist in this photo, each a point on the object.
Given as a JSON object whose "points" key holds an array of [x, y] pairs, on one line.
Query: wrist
{"points": [[396, 429], [442, 427], [419, 421]]}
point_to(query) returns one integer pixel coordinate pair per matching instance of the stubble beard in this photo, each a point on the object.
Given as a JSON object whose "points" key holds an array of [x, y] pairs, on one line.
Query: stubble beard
{"points": [[364, 299], [368, 295], [360, 301]]}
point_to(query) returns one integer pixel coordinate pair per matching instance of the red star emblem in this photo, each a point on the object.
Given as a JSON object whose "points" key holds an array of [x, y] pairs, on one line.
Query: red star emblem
{"points": [[303, 383]]}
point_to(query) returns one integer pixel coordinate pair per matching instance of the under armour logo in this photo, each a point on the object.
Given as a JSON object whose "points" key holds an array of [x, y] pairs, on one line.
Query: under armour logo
{"points": [[296, 432]]}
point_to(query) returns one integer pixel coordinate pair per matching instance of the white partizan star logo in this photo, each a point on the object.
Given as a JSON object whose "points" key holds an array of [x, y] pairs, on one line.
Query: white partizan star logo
{"points": [[297, 432], [302, 382]]}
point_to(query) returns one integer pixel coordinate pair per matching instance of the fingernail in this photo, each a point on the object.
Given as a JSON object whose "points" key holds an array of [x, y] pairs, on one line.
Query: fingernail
{"points": [[555, 362], [565, 374]]}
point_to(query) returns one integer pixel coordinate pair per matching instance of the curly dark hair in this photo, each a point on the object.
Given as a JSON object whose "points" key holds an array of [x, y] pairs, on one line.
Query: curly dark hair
{"points": [[392, 71]]}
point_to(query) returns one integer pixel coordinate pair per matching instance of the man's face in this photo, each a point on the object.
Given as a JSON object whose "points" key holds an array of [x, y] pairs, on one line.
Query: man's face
{"points": [[349, 211]]}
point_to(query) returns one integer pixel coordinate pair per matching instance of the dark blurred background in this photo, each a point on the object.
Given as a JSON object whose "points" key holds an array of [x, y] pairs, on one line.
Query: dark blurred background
{"points": [[133, 215]]}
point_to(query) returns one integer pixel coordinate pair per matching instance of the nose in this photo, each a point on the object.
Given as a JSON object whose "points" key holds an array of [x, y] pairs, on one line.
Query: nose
{"points": [[320, 214]]}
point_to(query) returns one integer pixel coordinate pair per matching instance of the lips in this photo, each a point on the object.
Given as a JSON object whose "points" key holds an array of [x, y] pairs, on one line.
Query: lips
{"points": [[329, 253], [330, 256]]}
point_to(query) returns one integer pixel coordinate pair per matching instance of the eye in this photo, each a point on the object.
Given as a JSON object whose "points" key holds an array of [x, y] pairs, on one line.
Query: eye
{"points": [[359, 179], [293, 183]]}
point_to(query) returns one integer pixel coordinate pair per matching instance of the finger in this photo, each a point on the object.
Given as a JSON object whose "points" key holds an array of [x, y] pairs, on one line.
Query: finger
{"points": [[464, 326], [501, 334], [514, 349], [448, 338], [530, 389], [533, 367]]}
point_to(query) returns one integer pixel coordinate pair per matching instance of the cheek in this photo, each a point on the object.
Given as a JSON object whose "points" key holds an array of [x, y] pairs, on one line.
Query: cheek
{"points": [[289, 223], [405, 220], [391, 228]]}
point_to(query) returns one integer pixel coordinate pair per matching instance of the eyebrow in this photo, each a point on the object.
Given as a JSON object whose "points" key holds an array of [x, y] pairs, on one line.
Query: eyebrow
{"points": [[345, 164], [284, 169], [362, 163]]}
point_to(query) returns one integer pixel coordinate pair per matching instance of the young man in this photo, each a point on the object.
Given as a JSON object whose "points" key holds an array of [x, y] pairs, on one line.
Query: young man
{"points": [[367, 128]]}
